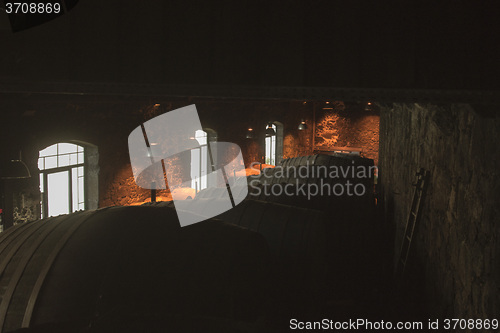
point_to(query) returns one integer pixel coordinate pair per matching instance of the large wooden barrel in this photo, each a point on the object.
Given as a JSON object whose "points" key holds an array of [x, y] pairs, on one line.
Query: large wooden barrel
{"points": [[297, 239], [341, 186], [308, 246], [351, 226], [325, 182], [121, 262]]}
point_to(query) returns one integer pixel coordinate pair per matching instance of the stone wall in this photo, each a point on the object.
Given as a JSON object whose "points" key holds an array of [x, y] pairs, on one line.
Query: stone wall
{"points": [[230, 120], [105, 122], [341, 125], [454, 255]]}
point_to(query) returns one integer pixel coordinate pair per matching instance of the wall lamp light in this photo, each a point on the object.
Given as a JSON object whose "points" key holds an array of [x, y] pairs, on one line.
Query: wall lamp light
{"points": [[249, 133], [15, 169], [302, 125]]}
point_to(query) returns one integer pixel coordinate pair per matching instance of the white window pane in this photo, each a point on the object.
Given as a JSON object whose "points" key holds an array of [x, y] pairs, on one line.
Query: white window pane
{"points": [[63, 155], [72, 159], [201, 137], [80, 189], [270, 143], [273, 150], [204, 164], [268, 150], [80, 158], [63, 160], [203, 182], [195, 168], [65, 148], [81, 206], [50, 162], [74, 184], [58, 193], [51, 150], [41, 196], [41, 182]]}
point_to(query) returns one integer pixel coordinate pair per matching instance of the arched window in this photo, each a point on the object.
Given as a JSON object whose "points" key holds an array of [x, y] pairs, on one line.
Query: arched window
{"points": [[62, 179], [274, 143], [199, 162], [201, 159], [271, 144]]}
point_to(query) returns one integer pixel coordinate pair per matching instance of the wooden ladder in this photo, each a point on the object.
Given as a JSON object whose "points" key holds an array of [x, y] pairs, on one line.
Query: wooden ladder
{"points": [[416, 206]]}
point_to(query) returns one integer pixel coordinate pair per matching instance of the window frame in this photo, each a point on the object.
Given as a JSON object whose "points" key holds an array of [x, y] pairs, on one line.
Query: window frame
{"points": [[71, 169]]}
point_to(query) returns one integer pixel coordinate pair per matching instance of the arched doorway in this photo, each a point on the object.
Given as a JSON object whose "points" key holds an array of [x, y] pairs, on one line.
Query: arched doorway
{"points": [[68, 178]]}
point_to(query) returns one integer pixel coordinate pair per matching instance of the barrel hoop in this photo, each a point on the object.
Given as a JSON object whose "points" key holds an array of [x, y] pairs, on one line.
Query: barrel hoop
{"points": [[33, 227], [30, 230], [11, 234], [16, 276], [307, 241], [283, 231], [259, 220], [48, 264], [9, 231], [314, 159], [237, 217]]}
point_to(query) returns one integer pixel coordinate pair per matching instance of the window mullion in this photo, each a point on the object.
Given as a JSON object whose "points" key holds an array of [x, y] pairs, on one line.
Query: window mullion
{"points": [[70, 190]]}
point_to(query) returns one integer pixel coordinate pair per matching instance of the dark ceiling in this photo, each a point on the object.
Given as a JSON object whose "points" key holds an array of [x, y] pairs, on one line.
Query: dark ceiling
{"points": [[349, 44]]}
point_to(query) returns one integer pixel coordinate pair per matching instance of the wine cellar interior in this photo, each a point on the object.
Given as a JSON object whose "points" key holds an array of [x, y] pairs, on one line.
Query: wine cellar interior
{"points": [[368, 186]]}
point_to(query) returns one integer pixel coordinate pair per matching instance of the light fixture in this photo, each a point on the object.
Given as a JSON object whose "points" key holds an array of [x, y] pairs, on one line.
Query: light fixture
{"points": [[15, 169], [327, 106], [368, 106], [270, 130], [302, 125], [153, 146], [249, 133]]}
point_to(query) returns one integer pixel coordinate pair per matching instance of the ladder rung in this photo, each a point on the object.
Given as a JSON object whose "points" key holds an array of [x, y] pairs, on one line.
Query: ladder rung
{"points": [[418, 196]]}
